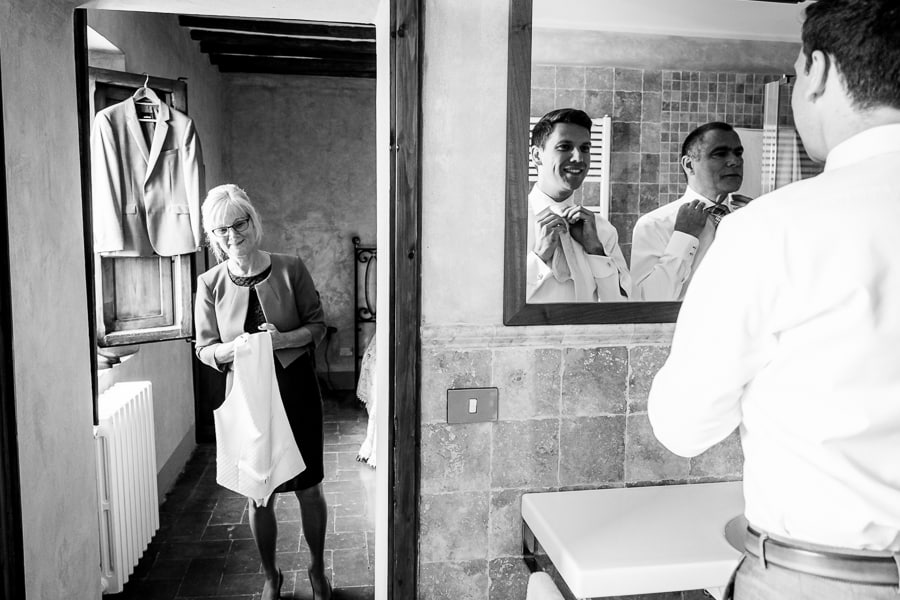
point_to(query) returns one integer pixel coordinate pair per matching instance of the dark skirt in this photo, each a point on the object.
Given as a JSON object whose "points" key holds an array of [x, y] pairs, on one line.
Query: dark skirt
{"points": [[302, 400]]}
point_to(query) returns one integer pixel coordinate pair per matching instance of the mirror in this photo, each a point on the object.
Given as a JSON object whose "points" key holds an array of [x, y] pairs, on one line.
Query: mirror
{"points": [[656, 69]]}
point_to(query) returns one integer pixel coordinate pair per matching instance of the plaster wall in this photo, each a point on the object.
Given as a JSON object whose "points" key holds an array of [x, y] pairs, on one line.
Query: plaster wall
{"points": [[572, 410], [52, 378], [157, 45], [303, 148]]}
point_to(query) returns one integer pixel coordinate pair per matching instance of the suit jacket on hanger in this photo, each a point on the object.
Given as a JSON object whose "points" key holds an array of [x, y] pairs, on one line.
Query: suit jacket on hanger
{"points": [[146, 201]]}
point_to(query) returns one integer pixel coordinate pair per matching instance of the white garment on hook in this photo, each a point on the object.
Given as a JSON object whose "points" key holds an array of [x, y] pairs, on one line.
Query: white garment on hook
{"points": [[255, 447]]}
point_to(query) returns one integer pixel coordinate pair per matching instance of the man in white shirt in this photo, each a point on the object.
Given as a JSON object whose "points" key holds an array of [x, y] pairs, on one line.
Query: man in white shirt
{"points": [[573, 253], [670, 242], [791, 331]]}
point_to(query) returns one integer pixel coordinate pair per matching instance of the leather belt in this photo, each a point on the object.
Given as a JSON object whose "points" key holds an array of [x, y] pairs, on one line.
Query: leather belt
{"points": [[857, 566]]}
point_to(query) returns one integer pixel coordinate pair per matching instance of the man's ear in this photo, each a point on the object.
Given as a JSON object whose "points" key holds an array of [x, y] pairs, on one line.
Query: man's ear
{"points": [[817, 78], [687, 164], [536, 155]]}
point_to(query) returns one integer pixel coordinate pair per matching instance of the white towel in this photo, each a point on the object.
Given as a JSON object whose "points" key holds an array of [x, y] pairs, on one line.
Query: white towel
{"points": [[255, 447], [541, 587]]}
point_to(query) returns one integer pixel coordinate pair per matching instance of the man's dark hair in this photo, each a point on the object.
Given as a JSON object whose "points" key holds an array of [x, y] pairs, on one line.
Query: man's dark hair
{"points": [[542, 128], [862, 37], [691, 145]]}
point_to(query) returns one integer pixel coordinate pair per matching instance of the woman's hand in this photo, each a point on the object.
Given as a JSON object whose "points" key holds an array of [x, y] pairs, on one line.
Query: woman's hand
{"points": [[279, 340], [224, 353]]}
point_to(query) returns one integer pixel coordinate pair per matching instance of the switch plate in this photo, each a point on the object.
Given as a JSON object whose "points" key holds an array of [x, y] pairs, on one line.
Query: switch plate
{"points": [[462, 401]]}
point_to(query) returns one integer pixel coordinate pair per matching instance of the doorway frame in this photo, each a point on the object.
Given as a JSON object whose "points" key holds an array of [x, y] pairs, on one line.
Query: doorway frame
{"points": [[12, 551], [407, 43], [404, 264]]}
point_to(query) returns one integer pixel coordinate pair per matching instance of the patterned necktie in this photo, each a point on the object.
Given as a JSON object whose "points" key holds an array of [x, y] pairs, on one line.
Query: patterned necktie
{"points": [[716, 212]]}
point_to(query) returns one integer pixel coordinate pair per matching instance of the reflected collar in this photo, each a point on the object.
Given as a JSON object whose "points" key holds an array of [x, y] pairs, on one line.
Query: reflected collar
{"points": [[538, 201]]}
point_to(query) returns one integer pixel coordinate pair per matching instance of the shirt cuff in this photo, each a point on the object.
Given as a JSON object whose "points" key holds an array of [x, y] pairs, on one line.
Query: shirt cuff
{"points": [[602, 266], [682, 245], [538, 269]]}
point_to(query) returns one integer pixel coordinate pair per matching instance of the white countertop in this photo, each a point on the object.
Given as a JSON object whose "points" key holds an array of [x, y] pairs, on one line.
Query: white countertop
{"points": [[637, 540]]}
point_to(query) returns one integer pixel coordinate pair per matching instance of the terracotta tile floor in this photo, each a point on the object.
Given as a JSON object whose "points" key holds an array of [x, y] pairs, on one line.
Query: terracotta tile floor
{"points": [[204, 548]]}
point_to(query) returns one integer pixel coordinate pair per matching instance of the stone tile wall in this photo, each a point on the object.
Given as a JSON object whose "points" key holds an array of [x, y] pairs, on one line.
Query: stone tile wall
{"points": [[572, 415], [652, 112]]}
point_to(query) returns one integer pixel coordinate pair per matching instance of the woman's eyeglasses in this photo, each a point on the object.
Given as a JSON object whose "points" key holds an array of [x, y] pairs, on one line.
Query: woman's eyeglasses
{"points": [[240, 226]]}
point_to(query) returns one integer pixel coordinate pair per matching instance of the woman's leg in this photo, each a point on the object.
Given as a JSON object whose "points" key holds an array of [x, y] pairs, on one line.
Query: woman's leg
{"points": [[265, 533], [314, 514]]}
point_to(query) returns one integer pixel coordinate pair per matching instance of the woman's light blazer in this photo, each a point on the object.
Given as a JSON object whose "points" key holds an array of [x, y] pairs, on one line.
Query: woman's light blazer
{"points": [[288, 298]]}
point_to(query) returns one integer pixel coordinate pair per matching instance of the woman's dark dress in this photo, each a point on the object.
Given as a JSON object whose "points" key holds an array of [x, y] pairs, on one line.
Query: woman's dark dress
{"points": [[300, 395]]}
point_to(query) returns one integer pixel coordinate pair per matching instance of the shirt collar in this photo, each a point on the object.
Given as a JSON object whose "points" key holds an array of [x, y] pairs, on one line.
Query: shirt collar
{"points": [[691, 194], [864, 145], [539, 201]]}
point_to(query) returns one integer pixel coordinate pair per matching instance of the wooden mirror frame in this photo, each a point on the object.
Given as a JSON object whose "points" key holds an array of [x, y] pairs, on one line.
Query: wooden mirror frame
{"points": [[515, 310]]}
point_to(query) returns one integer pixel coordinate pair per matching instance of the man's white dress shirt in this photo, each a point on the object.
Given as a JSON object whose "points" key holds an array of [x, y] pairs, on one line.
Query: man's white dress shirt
{"points": [[791, 329], [573, 275], [663, 260]]}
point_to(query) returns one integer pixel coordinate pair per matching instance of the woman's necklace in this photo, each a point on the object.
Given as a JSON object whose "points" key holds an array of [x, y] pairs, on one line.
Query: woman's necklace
{"points": [[252, 265]]}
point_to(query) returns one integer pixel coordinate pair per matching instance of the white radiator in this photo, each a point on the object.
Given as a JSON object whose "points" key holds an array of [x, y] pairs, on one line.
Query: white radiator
{"points": [[126, 480]]}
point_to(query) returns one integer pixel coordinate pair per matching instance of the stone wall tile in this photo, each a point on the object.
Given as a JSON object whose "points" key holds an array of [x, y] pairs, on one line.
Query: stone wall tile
{"points": [[627, 106], [592, 450], [455, 458], [649, 168], [442, 370], [651, 107], [542, 101], [652, 81], [591, 192], [629, 79], [644, 363], [453, 526], [593, 381], [649, 197], [525, 453], [570, 77], [599, 78], [624, 197], [598, 103], [543, 76], [453, 580], [650, 139], [624, 167], [724, 460], [570, 98], [528, 381], [648, 460], [505, 536], [509, 578]]}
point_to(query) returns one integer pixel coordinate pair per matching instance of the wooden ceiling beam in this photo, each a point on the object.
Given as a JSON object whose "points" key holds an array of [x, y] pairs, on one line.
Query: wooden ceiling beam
{"points": [[291, 66], [297, 28], [226, 43]]}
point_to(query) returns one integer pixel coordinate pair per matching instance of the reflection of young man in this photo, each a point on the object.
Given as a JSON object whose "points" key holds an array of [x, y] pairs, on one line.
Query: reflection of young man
{"points": [[791, 331], [574, 254], [669, 242]]}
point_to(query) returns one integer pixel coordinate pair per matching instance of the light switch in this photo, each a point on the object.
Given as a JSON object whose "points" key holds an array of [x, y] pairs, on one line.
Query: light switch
{"points": [[472, 405]]}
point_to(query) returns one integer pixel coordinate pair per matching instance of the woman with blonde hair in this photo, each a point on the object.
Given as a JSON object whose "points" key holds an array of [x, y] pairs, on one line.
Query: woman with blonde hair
{"points": [[250, 291]]}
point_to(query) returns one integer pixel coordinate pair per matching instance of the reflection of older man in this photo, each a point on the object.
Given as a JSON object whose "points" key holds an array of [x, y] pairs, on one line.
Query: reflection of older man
{"points": [[669, 242], [573, 254]]}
